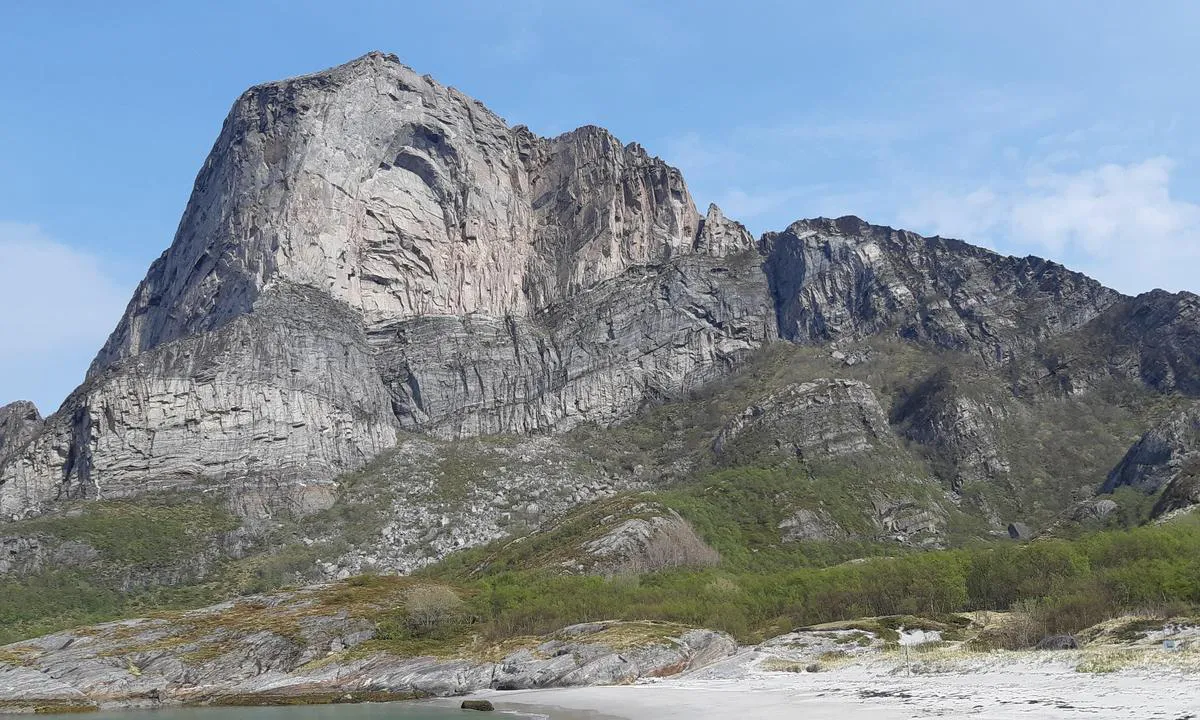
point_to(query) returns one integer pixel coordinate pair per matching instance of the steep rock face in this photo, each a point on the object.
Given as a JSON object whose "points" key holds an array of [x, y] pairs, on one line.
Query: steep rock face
{"points": [[1157, 458], [271, 406], [648, 334], [599, 209], [845, 278], [401, 198], [367, 250], [19, 422], [958, 429], [1152, 339], [823, 418], [1162, 330]]}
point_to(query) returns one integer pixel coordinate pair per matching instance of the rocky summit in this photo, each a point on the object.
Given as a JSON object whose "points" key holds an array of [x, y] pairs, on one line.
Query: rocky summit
{"points": [[383, 297]]}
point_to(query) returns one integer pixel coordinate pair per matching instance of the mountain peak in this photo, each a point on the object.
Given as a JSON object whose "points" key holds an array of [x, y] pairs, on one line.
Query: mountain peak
{"points": [[400, 197], [845, 225], [19, 422], [846, 278], [367, 251]]}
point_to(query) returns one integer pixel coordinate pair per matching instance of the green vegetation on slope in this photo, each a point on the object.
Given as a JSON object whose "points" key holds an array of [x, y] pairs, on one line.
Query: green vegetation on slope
{"points": [[1058, 447], [1066, 584], [171, 550], [154, 531], [130, 557], [1073, 584]]}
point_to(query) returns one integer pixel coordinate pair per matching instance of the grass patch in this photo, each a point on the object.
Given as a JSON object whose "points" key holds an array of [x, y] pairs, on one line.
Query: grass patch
{"points": [[1107, 661], [155, 531]]}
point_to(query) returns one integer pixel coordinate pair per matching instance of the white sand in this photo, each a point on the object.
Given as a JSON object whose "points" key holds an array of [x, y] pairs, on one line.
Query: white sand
{"points": [[999, 686]]}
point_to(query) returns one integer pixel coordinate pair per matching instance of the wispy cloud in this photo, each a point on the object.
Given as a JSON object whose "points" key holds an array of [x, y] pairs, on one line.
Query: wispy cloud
{"points": [[1120, 223], [973, 216], [863, 157], [1013, 168], [59, 305]]}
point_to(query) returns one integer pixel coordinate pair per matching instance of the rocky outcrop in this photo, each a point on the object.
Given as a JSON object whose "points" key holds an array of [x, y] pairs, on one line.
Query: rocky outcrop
{"points": [[1158, 333], [266, 649], [1151, 340], [25, 555], [907, 520], [721, 236], [832, 435], [433, 497], [823, 418], [1183, 492], [1154, 460], [271, 406], [1165, 459], [646, 335], [808, 526], [659, 539], [845, 279], [1094, 510], [958, 430], [19, 422]]}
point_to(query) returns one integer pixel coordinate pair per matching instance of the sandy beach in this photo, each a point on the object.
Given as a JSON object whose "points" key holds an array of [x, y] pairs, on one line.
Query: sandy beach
{"points": [[998, 686]]}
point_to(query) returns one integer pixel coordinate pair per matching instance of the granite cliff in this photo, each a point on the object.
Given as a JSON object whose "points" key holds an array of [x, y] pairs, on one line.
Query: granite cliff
{"points": [[370, 260], [365, 251]]}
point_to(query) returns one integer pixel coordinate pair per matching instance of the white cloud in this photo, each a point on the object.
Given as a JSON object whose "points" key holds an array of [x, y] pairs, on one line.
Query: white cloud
{"points": [[973, 216], [1104, 211], [1118, 223], [57, 306]]}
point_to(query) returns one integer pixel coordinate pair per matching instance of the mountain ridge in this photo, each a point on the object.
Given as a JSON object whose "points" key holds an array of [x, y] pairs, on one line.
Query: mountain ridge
{"points": [[367, 252]]}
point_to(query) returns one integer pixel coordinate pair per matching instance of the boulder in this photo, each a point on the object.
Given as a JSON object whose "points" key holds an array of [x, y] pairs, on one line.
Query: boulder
{"points": [[1057, 642], [1019, 531]]}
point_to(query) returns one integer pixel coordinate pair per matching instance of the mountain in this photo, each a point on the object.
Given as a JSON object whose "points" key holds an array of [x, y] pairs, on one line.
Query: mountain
{"points": [[390, 326], [366, 251]]}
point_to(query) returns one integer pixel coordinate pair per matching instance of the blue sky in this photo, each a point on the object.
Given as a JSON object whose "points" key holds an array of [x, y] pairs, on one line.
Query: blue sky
{"points": [[1063, 129]]}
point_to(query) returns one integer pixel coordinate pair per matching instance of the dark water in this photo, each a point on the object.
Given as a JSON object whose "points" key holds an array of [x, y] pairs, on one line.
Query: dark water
{"points": [[364, 711]]}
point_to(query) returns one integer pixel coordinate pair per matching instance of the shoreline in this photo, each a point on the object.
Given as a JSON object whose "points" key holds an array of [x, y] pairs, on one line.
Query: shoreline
{"points": [[942, 682], [1003, 686], [1126, 667]]}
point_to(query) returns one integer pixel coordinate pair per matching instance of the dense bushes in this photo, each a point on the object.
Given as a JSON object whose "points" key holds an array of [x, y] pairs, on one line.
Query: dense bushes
{"points": [[1058, 585], [1062, 586], [429, 611], [129, 558]]}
